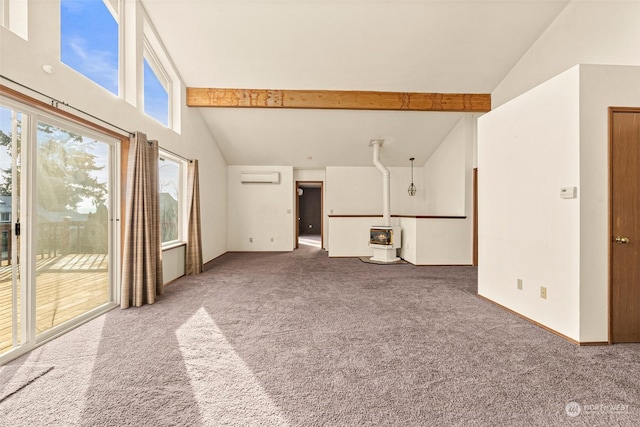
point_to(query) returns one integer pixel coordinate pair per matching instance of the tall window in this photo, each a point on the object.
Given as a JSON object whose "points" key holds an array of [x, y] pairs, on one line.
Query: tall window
{"points": [[171, 171], [161, 98], [156, 92], [89, 40]]}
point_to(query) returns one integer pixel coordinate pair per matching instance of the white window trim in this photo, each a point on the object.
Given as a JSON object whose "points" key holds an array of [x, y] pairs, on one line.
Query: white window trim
{"points": [[14, 16], [182, 201], [163, 77], [161, 64]]}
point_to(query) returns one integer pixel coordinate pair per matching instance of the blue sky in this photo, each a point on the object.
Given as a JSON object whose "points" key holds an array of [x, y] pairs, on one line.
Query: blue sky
{"points": [[89, 41], [156, 99], [89, 44]]}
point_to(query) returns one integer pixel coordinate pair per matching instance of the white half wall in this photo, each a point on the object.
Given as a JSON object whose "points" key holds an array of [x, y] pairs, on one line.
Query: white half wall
{"points": [[585, 32], [260, 216], [173, 263]]}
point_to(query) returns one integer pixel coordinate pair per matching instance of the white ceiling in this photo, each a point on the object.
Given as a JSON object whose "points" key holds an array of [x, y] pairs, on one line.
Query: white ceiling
{"points": [[393, 45]]}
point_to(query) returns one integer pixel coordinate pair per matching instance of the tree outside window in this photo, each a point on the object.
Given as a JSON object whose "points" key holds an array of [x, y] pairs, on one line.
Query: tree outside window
{"points": [[170, 173]]}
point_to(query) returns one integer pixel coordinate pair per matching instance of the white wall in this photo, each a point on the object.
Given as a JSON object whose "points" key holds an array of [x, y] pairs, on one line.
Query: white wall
{"points": [[309, 175], [600, 88], [260, 211], [528, 149], [551, 137], [585, 32], [173, 263], [444, 174], [23, 60], [448, 180], [358, 191]]}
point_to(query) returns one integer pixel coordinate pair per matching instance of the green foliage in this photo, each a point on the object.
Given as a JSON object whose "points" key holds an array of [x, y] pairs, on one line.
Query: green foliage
{"points": [[66, 169], [5, 173]]}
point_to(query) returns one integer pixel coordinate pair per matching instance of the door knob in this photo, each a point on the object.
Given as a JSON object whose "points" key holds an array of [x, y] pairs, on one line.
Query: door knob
{"points": [[621, 240]]}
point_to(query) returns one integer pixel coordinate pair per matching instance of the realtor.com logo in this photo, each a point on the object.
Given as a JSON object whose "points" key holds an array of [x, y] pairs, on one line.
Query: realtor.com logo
{"points": [[573, 409]]}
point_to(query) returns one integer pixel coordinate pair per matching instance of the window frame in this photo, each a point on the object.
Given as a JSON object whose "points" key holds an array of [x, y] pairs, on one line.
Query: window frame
{"points": [[14, 16], [182, 198], [149, 55], [154, 52]]}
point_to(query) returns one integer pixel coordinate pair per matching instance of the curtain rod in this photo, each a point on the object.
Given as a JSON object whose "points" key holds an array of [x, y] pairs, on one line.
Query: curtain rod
{"points": [[55, 103], [175, 154]]}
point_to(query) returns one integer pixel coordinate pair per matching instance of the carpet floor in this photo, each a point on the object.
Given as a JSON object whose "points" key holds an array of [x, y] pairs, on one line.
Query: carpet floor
{"points": [[300, 339]]}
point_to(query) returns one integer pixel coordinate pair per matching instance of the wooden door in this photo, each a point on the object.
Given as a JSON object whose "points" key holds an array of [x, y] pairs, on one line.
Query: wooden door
{"points": [[624, 313]]}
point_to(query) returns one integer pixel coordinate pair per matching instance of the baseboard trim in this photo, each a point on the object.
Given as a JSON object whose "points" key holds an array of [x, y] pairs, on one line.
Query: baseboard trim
{"points": [[209, 264], [173, 280], [546, 328]]}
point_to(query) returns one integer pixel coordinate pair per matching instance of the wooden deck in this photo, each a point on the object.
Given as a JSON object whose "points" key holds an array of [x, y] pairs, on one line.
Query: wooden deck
{"points": [[66, 287]]}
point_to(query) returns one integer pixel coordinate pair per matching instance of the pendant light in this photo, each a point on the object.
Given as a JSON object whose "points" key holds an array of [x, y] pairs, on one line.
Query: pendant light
{"points": [[412, 188]]}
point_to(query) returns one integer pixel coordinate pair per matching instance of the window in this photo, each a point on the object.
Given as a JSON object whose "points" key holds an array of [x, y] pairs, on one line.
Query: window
{"points": [[161, 99], [14, 16], [171, 189], [156, 94], [89, 40], [5, 216]]}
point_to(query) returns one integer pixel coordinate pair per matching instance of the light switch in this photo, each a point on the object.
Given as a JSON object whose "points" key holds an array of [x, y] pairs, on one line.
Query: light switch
{"points": [[569, 192]]}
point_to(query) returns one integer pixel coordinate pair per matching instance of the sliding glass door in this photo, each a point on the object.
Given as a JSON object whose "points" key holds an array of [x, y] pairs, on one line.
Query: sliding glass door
{"points": [[57, 266], [71, 223], [11, 125]]}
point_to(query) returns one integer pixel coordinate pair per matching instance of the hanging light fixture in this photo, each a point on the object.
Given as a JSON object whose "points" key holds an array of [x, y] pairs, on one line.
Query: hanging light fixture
{"points": [[412, 188]]}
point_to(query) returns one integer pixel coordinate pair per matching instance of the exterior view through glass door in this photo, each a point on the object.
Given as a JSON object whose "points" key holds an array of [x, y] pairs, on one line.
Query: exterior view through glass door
{"points": [[60, 271], [11, 124]]}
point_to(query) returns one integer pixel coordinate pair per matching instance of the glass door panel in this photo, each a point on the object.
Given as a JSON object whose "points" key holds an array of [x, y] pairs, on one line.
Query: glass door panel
{"points": [[71, 225], [11, 123]]}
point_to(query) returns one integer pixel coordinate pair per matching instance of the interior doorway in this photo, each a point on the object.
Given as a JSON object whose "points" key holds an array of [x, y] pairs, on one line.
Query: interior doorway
{"points": [[624, 246], [309, 214]]}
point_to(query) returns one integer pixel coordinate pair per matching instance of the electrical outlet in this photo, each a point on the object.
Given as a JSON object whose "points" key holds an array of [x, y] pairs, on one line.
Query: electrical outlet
{"points": [[251, 239], [519, 284], [272, 239], [543, 292]]}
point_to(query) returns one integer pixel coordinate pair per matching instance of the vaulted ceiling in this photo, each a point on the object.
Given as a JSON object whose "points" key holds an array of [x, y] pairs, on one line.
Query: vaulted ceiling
{"points": [[441, 46]]}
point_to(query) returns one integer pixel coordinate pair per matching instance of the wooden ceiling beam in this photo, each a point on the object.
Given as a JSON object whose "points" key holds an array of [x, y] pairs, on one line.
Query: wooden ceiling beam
{"points": [[338, 100]]}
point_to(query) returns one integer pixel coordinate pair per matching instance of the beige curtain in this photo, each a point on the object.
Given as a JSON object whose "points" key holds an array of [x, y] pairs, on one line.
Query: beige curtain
{"points": [[193, 261], [142, 254]]}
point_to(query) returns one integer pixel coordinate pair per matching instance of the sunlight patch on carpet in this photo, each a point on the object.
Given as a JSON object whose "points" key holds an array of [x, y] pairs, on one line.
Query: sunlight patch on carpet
{"points": [[13, 380], [226, 389], [310, 242]]}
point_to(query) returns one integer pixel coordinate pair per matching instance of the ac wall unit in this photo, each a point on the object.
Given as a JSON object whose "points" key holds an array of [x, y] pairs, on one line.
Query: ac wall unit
{"points": [[265, 177]]}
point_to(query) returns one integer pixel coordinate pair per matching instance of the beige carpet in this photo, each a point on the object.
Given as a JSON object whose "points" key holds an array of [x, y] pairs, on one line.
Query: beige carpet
{"points": [[299, 339]]}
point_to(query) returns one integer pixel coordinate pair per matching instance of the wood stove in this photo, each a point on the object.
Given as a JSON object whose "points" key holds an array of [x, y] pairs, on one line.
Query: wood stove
{"points": [[385, 240]]}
